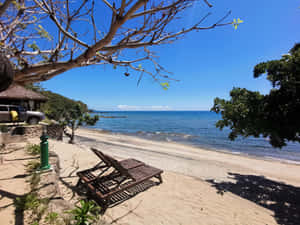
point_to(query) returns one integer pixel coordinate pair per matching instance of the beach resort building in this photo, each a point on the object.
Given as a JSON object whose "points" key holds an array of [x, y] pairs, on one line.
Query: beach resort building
{"points": [[19, 95]]}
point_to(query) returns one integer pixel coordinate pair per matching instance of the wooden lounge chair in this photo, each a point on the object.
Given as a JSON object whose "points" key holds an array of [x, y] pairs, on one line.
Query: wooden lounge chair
{"points": [[111, 180]]}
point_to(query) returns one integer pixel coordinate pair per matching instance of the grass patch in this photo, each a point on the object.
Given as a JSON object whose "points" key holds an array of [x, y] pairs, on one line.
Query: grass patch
{"points": [[33, 149], [35, 223], [34, 180], [52, 218], [32, 166], [27, 202], [85, 213]]}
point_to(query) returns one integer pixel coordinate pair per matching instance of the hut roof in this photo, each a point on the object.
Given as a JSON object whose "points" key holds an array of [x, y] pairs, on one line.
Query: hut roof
{"points": [[19, 92]]}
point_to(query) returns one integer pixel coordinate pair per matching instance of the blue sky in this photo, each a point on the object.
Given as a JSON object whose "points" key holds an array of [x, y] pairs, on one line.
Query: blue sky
{"points": [[208, 64]]}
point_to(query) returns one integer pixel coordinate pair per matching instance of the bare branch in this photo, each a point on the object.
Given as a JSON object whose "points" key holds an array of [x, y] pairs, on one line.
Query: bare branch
{"points": [[134, 24], [209, 5], [110, 6], [4, 6]]}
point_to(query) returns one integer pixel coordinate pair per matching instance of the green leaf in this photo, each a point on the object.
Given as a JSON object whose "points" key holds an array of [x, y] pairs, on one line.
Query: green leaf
{"points": [[236, 23], [43, 33], [33, 46], [165, 85]]}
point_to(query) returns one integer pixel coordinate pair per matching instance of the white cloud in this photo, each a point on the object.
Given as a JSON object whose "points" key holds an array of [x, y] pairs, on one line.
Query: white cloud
{"points": [[145, 108]]}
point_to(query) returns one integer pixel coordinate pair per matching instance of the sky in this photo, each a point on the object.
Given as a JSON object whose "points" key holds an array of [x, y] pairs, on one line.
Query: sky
{"points": [[208, 64]]}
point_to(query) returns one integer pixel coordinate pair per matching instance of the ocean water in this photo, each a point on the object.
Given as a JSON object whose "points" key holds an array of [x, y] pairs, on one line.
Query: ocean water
{"points": [[195, 128]]}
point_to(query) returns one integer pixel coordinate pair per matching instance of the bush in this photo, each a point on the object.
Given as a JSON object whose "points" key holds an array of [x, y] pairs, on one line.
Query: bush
{"points": [[33, 149], [4, 129], [86, 213], [32, 166], [28, 201], [51, 218]]}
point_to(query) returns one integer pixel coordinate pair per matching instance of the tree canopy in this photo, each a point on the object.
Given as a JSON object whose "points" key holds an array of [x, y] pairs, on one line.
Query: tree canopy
{"points": [[57, 106], [75, 117], [274, 115], [44, 38]]}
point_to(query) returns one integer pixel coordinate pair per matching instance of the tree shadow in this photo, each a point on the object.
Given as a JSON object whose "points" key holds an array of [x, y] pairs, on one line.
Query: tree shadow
{"points": [[282, 199], [20, 159], [19, 214], [19, 176]]}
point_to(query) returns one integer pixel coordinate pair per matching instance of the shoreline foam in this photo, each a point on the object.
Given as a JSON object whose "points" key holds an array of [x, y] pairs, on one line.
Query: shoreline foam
{"points": [[189, 160], [226, 151]]}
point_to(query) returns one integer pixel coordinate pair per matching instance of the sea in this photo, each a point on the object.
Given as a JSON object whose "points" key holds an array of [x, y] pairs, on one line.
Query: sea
{"points": [[196, 128]]}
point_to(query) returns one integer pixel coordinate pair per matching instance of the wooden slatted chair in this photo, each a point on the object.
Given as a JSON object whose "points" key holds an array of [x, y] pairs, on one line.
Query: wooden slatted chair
{"points": [[107, 187]]}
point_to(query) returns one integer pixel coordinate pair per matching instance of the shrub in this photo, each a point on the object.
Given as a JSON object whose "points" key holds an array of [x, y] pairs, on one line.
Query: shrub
{"points": [[4, 129], [33, 149], [32, 166], [28, 201], [86, 213], [51, 218]]}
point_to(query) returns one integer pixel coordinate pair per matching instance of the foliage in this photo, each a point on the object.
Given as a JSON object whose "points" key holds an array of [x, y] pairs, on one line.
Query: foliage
{"points": [[32, 165], [34, 180], [33, 149], [236, 23], [35, 223], [26, 202], [275, 115], [57, 105], [75, 117], [45, 38], [4, 128], [51, 218], [86, 213]]}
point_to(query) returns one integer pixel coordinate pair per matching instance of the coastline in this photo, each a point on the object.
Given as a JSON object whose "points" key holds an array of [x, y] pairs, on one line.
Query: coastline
{"points": [[201, 148], [189, 160]]}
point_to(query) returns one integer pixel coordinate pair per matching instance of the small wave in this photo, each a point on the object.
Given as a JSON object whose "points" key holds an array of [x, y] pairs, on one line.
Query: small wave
{"points": [[165, 134], [282, 160]]}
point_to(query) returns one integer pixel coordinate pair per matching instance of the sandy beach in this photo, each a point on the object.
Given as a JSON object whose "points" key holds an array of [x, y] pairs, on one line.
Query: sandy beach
{"points": [[200, 186]]}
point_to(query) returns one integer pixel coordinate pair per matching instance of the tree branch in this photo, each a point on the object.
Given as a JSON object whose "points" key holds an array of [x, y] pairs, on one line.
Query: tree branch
{"points": [[4, 6]]}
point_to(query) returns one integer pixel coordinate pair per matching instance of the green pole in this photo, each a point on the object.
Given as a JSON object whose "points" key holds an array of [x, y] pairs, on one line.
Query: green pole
{"points": [[44, 152]]}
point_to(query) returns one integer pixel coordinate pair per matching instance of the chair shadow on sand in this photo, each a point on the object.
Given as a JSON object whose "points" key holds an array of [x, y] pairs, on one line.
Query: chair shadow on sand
{"points": [[282, 199], [117, 198]]}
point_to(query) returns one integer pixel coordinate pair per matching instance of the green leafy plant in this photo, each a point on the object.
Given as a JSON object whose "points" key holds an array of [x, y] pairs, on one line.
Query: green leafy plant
{"points": [[28, 201], [32, 165], [34, 180], [33, 149], [52, 217], [86, 213], [4, 129], [35, 223]]}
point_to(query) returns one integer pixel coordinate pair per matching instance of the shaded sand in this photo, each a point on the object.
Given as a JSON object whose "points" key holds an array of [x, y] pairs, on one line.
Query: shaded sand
{"points": [[13, 183], [220, 189]]}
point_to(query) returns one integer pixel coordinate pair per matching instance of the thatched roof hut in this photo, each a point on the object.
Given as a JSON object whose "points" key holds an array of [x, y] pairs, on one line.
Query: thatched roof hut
{"points": [[18, 95]]}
